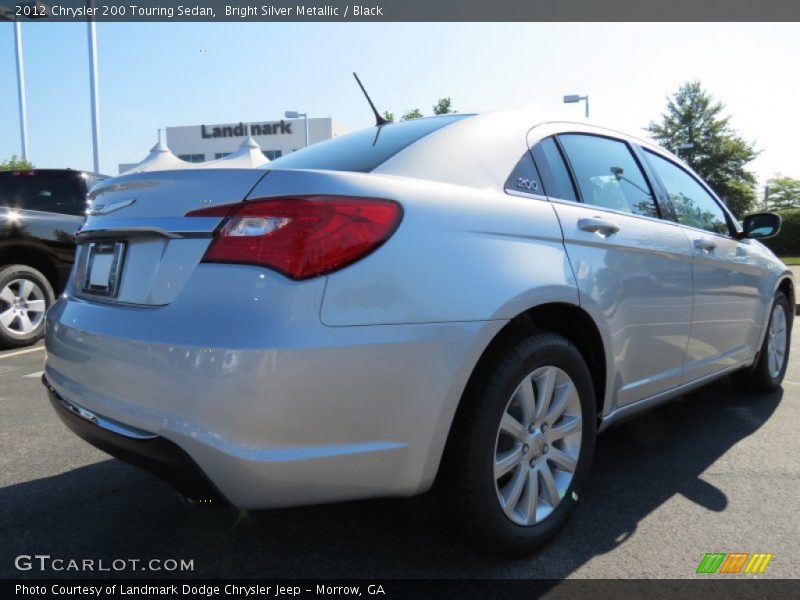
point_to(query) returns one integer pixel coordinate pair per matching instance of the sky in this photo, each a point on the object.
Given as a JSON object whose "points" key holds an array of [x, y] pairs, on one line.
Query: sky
{"points": [[169, 74]]}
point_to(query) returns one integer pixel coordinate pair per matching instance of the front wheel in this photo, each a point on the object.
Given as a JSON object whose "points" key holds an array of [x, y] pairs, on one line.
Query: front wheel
{"points": [[767, 373], [523, 445]]}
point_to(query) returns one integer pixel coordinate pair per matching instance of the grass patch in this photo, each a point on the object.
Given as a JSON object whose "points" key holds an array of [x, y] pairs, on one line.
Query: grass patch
{"points": [[791, 260]]}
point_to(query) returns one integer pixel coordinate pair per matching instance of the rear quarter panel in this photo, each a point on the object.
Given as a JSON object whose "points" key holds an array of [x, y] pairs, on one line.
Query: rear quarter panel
{"points": [[459, 254]]}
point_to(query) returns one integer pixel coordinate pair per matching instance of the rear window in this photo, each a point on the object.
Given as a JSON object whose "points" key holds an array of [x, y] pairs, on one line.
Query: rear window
{"points": [[362, 150], [47, 193]]}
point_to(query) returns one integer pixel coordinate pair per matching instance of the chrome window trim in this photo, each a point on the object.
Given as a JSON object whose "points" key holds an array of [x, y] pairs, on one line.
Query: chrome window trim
{"points": [[613, 211], [549, 128]]}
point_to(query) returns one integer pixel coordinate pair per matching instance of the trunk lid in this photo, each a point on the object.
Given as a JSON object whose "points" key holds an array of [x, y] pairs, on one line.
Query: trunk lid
{"points": [[168, 194], [137, 246]]}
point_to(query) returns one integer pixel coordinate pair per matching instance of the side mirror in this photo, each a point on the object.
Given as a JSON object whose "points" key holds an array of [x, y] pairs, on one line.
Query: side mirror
{"points": [[761, 225]]}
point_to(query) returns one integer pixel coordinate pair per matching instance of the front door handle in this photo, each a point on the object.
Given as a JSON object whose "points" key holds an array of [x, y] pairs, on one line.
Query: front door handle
{"points": [[704, 245], [598, 225]]}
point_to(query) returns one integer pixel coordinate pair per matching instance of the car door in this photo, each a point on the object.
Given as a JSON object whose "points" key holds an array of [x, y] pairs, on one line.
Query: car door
{"points": [[633, 269], [728, 305]]}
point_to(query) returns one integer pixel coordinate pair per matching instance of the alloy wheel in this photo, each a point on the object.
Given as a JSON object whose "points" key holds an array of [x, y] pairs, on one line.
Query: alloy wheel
{"points": [[22, 306], [776, 344], [538, 445]]}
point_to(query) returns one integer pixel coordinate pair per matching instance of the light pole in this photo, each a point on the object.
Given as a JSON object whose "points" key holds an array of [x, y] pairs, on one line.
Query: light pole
{"points": [[91, 26], [682, 147], [23, 107], [573, 98], [293, 114]]}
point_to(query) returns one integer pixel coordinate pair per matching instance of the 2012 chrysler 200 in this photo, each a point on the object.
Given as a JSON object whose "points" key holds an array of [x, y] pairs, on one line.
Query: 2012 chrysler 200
{"points": [[463, 300]]}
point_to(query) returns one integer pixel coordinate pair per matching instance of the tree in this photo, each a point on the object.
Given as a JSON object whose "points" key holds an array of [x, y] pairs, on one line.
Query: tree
{"points": [[784, 192], [15, 163], [444, 106], [388, 116], [414, 113], [694, 128]]}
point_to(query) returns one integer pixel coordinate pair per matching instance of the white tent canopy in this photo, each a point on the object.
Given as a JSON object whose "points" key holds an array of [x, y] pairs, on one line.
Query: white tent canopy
{"points": [[247, 156], [160, 158]]}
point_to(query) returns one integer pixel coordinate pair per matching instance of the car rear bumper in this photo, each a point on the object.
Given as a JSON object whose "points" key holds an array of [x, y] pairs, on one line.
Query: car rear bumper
{"points": [[302, 414], [139, 448]]}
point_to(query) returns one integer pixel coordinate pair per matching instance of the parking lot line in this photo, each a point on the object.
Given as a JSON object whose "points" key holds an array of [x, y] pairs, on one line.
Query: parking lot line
{"points": [[18, 352]]}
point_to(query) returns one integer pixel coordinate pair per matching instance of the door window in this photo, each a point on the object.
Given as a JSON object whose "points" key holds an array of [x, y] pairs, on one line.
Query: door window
{"points": [[42, 192], [694, 206], [608, 175]]}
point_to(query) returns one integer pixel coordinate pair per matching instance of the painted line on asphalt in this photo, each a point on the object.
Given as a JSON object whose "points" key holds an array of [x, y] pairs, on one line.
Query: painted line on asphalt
{"points": [[18, 352], [32, 375]]}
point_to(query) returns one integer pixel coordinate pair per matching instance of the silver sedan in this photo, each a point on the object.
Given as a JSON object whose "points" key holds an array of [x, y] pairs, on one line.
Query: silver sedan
{"points": [[459, 303]]}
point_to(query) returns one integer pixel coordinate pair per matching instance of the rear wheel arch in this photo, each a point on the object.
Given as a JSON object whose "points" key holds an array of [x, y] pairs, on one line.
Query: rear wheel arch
{"points": [[567, 320], [32, 256]]}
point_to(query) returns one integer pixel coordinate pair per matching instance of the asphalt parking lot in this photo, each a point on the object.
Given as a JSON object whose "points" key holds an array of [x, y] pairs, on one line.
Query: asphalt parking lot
{"points": [[716, 471]]}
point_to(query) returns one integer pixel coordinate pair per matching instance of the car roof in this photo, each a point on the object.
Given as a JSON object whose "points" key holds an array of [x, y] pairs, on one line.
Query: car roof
{"points": [[76, 172], [481, 150], [546, 128]]}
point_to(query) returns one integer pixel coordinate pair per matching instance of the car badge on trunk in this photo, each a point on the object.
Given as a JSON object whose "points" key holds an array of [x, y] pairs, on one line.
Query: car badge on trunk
{"points": [[107, 207]]}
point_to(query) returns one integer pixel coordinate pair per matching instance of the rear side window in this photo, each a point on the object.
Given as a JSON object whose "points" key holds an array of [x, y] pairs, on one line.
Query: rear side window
{"points": [[694, 206], [555, 176], [524, 177], [41, 192], [362, 150], [608, 174]]}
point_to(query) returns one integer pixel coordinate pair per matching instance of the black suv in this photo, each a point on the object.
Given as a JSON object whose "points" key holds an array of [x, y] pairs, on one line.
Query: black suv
{"points": [[40, 210]]}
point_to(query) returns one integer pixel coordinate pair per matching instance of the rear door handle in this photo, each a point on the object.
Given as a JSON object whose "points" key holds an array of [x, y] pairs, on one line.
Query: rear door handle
{"points": [[598, 225], [704, 245]]}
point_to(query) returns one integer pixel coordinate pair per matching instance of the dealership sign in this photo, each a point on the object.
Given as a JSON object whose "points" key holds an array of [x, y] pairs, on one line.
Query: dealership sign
{"points": [[223, 131]]}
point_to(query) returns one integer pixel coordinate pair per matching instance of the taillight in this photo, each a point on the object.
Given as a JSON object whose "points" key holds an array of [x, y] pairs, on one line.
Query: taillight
{"points": [[301, 237]]}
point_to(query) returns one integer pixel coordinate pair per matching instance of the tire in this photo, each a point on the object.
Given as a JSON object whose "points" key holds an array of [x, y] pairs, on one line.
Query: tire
{"points": [[767, 373], [25, 296], [478, 444]]}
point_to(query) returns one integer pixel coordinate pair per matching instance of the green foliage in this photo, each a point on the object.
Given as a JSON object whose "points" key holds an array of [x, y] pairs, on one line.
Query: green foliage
{"points": [[784, 192], [787, 242], [689, 213], [694, 128], [444, 106], [15, 163], [414, 113]]}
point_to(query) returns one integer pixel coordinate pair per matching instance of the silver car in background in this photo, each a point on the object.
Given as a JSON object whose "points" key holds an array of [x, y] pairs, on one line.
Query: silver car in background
{"points": [[463, 300]]}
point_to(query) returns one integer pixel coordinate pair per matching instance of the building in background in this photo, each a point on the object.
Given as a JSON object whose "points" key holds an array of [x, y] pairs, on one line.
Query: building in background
{"points": [[200, 143]]}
